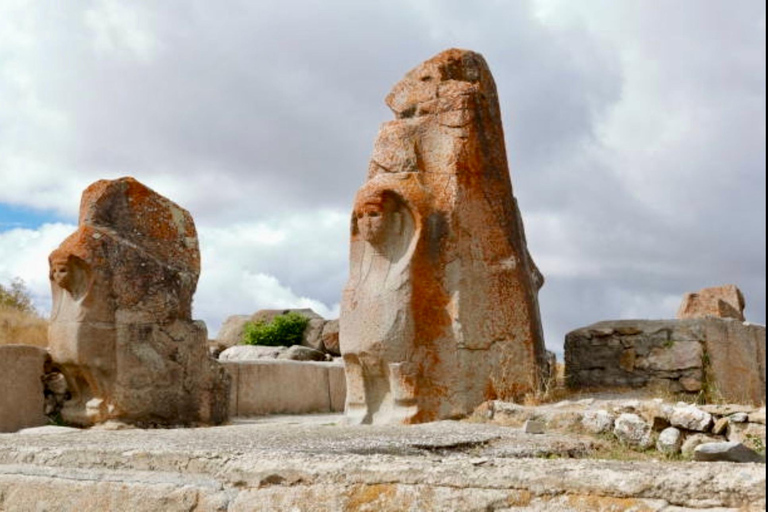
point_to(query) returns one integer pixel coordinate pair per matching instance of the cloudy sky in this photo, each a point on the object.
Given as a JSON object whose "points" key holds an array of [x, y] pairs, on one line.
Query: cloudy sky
{"points": [[635, 130]]}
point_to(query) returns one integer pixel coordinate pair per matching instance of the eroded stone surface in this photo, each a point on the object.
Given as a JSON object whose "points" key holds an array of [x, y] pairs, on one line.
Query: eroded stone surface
{"points": [[725, 301], [632, 430], [285, 464], [677, 356], [727, 452], [440, 311], [670, 440], [21, 387], [121, 328]]}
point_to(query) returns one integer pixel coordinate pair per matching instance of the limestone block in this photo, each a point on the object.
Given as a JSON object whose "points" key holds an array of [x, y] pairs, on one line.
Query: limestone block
{"points": [[597, 422], [251, 353], [440, 312], [285, 387], [231, 331], [692, 441], [690, 417], [757, 416], [727, 452], [121, 329], [21, 397], [750, 434], [720, 301], [676, 355], [670, 440], [630, 429], [302, 353], [534, 427], [736, 353]]}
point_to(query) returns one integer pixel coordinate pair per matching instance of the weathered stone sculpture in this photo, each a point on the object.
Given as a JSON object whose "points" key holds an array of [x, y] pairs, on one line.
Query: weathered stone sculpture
{"points": [[121, 328], [440, 311], [720, 301]]}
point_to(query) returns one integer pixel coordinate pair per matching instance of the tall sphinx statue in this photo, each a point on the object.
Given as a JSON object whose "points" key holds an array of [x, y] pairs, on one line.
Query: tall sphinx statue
{"points": [[121, 329], [440, 312]]}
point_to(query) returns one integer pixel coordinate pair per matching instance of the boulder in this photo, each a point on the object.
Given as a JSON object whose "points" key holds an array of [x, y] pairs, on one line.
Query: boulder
{"points": [[438, 258], [726, 452], [330, 337], [690, 417], [751, 435], [757, 416], [251, 353], [598, 421], [534, 427], [121, 329], [692, 441], [21, 399], [231, 331], [724, 301], [301, 353], [670, 440], [631, 430]]}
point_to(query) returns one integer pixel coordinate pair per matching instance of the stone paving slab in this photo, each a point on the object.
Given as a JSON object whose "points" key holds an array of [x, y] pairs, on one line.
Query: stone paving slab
{"points": [[317, 463]]}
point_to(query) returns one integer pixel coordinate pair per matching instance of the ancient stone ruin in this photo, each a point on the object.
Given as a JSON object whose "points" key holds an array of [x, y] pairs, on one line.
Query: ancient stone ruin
{"points": [[21, 400], [720, 301], [121, 329], [441, 310], [719, 356]]}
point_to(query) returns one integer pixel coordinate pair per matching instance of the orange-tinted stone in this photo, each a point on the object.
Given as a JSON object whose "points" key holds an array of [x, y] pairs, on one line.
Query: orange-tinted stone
{"points": [[121, 327], [440, 311], [725, 301]]}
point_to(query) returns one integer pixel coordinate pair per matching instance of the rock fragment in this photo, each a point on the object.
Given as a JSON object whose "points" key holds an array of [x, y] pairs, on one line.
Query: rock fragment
{"points": [[725, 452]]}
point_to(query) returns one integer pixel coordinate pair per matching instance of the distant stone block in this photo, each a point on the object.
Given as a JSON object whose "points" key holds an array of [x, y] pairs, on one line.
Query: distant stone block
{"points": [[720, 301], [285, 387], [21, 387], [722, 356]]}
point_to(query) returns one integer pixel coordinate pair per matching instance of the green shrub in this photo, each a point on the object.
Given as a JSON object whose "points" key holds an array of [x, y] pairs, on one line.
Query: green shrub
{"points": [[285, 330]]}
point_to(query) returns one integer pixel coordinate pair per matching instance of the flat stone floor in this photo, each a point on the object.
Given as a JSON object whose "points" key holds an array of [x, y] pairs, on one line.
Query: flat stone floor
{"points": [[316, 462]]}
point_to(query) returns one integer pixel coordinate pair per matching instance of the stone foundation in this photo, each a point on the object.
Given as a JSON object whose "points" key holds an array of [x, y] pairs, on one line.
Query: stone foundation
{"points": [[721, 357], [285, 387], [21, 387]]}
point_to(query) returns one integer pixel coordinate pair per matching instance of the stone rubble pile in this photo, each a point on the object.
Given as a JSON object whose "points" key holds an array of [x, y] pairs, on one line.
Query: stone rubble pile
{"points": [[672, 429]]}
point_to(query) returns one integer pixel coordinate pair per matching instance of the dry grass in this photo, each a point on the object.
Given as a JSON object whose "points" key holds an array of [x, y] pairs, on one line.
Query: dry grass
{"points": [[18, 327]]}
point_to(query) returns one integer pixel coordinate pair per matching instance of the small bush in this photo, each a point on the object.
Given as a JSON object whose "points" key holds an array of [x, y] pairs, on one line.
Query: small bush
{"points": [[19, 322], [285, 330], [16, 296]]}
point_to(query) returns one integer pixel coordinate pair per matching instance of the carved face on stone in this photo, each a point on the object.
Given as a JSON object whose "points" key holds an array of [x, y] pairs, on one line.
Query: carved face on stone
{"points": [[60, 273], [371, 221]]}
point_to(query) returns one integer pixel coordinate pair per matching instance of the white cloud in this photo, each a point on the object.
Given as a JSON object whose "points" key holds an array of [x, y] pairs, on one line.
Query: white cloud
{"points": [[636, 135], [24, 254], [121, 28]]}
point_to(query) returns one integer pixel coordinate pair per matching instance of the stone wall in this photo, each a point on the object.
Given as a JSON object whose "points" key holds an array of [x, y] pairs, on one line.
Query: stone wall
{"points": [[285, 387], [21, 387], [721, 357]]}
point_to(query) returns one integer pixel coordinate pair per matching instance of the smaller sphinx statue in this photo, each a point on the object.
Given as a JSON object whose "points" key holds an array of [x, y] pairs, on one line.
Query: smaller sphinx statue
{"points": [[121, 329]]}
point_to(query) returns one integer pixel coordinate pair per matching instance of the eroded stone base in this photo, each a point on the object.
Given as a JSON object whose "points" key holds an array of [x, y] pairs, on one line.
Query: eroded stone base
{"points": [[722, 358]]}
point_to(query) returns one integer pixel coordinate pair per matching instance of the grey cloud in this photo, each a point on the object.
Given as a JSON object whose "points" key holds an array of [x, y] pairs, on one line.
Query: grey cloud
{"points": [[261, 111]]}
